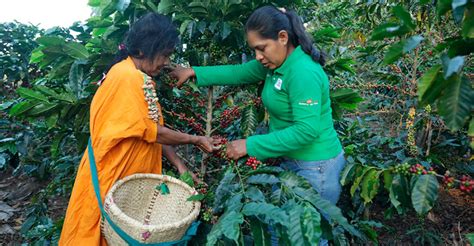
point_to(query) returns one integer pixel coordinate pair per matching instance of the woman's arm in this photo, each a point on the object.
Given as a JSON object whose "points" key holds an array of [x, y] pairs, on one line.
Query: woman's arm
{"points": [[170, 153], [167, 136], [247, 73]]}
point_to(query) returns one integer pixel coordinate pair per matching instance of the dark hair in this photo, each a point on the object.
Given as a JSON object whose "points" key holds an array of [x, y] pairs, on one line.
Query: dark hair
{"points": [[268, 21], [151, 35]]}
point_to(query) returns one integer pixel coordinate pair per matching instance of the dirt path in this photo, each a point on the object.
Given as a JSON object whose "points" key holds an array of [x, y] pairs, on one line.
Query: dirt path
{"points": [[15, 195], [450, 220]]}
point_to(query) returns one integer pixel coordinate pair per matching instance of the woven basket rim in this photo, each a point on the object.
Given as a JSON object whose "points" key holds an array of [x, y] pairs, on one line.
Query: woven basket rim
{"points": [[116, 211]]}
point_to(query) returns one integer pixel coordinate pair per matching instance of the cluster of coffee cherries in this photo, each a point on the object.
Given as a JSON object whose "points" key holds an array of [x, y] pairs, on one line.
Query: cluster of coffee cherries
{"points": [[221, 143], [448, 181], [257, 101], [9, 89], [221, 153], [420, 169], [466, 184], [220, 99], [200, 187], [402, 168], [191, 122], [208, 215], [253, 162], [369, 86], [195, 98], [228, 115], [382, 86], [416, 169], [395, 69]]}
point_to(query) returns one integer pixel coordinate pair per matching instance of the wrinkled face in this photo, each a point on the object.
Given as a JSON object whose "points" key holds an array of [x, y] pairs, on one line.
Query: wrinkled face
{"points": [[152, 68], [271, 53]]}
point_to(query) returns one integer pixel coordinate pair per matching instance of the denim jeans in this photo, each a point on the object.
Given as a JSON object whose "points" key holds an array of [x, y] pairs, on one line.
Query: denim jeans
{"points": [[323, 175]]}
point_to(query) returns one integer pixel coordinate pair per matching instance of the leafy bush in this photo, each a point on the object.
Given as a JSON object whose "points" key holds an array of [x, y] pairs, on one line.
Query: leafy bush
{"points": [[395, 68]]}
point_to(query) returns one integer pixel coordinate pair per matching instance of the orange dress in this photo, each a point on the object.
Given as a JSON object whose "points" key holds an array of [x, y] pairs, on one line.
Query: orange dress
{"points": [[124, 142]]}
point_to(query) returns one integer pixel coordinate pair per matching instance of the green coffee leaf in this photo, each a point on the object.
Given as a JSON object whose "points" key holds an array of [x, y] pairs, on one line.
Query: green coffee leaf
{"points": [[424, 193]]}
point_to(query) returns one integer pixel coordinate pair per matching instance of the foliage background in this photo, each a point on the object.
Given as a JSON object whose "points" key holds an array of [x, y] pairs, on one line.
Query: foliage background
{"points": [[401, 74]]}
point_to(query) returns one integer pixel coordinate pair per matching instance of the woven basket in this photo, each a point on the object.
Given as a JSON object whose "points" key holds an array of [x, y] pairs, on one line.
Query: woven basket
{"points": [[138, 208]]}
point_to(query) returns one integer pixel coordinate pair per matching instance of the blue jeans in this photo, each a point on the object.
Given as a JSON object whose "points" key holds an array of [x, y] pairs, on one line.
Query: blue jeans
{"points": [[323, 176]]}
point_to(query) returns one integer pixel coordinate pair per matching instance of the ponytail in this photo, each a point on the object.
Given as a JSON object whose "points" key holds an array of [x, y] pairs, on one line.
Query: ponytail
{"points": [[302, 38], [268, 21]]}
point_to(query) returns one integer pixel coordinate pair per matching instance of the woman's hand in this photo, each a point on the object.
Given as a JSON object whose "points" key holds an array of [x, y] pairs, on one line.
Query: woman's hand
{"points": [[182, 169], [236, 149], [204, 143], [170, 153], [182, 74]]}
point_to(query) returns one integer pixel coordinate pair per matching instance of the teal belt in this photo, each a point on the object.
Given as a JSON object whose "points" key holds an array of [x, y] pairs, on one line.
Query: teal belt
{"points": [[127, 238]]}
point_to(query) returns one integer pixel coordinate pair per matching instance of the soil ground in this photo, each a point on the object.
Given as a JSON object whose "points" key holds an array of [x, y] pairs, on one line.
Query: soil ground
{"points": [[451, 218]]}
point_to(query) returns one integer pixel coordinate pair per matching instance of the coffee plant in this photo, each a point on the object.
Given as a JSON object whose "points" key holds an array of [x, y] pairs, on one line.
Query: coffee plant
{"points": [[401, 92]]}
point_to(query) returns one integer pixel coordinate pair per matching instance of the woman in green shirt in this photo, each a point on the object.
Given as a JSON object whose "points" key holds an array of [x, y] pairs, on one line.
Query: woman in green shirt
{"points": [[295, 94]]}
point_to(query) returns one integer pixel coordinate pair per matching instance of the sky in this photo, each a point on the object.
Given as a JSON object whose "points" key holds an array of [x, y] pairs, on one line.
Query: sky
{"points": [[45, 13]]}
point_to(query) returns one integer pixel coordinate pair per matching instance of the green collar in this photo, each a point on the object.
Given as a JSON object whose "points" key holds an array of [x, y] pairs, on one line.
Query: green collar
{"points": [[290, 60]]}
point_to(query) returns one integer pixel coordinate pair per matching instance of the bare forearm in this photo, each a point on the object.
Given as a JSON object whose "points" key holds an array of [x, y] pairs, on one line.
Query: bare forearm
{"points": [[171, 137], [170, 153]]}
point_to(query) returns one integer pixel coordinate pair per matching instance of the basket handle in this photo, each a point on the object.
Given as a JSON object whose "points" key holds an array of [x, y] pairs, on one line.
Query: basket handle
{"points": [[127, 238]]}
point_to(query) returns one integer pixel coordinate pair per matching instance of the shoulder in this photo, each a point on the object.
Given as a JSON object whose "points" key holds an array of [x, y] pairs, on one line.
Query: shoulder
{"points": [[306, 71], [125, 71], [123, 81]]}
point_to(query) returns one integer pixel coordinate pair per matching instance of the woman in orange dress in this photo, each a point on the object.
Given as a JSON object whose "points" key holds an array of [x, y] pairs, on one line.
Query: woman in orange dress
{"points": [[126, 127]]}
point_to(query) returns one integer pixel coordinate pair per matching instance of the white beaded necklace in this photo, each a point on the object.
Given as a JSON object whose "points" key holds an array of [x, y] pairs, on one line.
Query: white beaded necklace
{"points": [[154, 112]]}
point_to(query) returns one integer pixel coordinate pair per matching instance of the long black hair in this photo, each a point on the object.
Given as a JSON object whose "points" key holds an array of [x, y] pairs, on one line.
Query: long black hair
{"points": [[151, 35], [268, 21]]}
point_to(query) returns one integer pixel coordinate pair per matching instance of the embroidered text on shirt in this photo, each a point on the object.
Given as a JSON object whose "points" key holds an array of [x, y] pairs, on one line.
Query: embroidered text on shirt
{"points": [[308, 102]]}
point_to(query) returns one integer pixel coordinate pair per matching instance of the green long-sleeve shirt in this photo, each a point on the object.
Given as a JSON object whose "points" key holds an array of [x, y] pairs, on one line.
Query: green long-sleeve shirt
{"points": [[296, 96]]}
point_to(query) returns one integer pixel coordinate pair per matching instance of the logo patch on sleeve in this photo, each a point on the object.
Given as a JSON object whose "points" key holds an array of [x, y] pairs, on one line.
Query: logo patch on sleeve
{"points": [[308, 102]]}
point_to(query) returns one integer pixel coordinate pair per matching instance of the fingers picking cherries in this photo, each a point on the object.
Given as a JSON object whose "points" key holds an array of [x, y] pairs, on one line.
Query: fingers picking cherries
{"points": [[222, 141]]}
